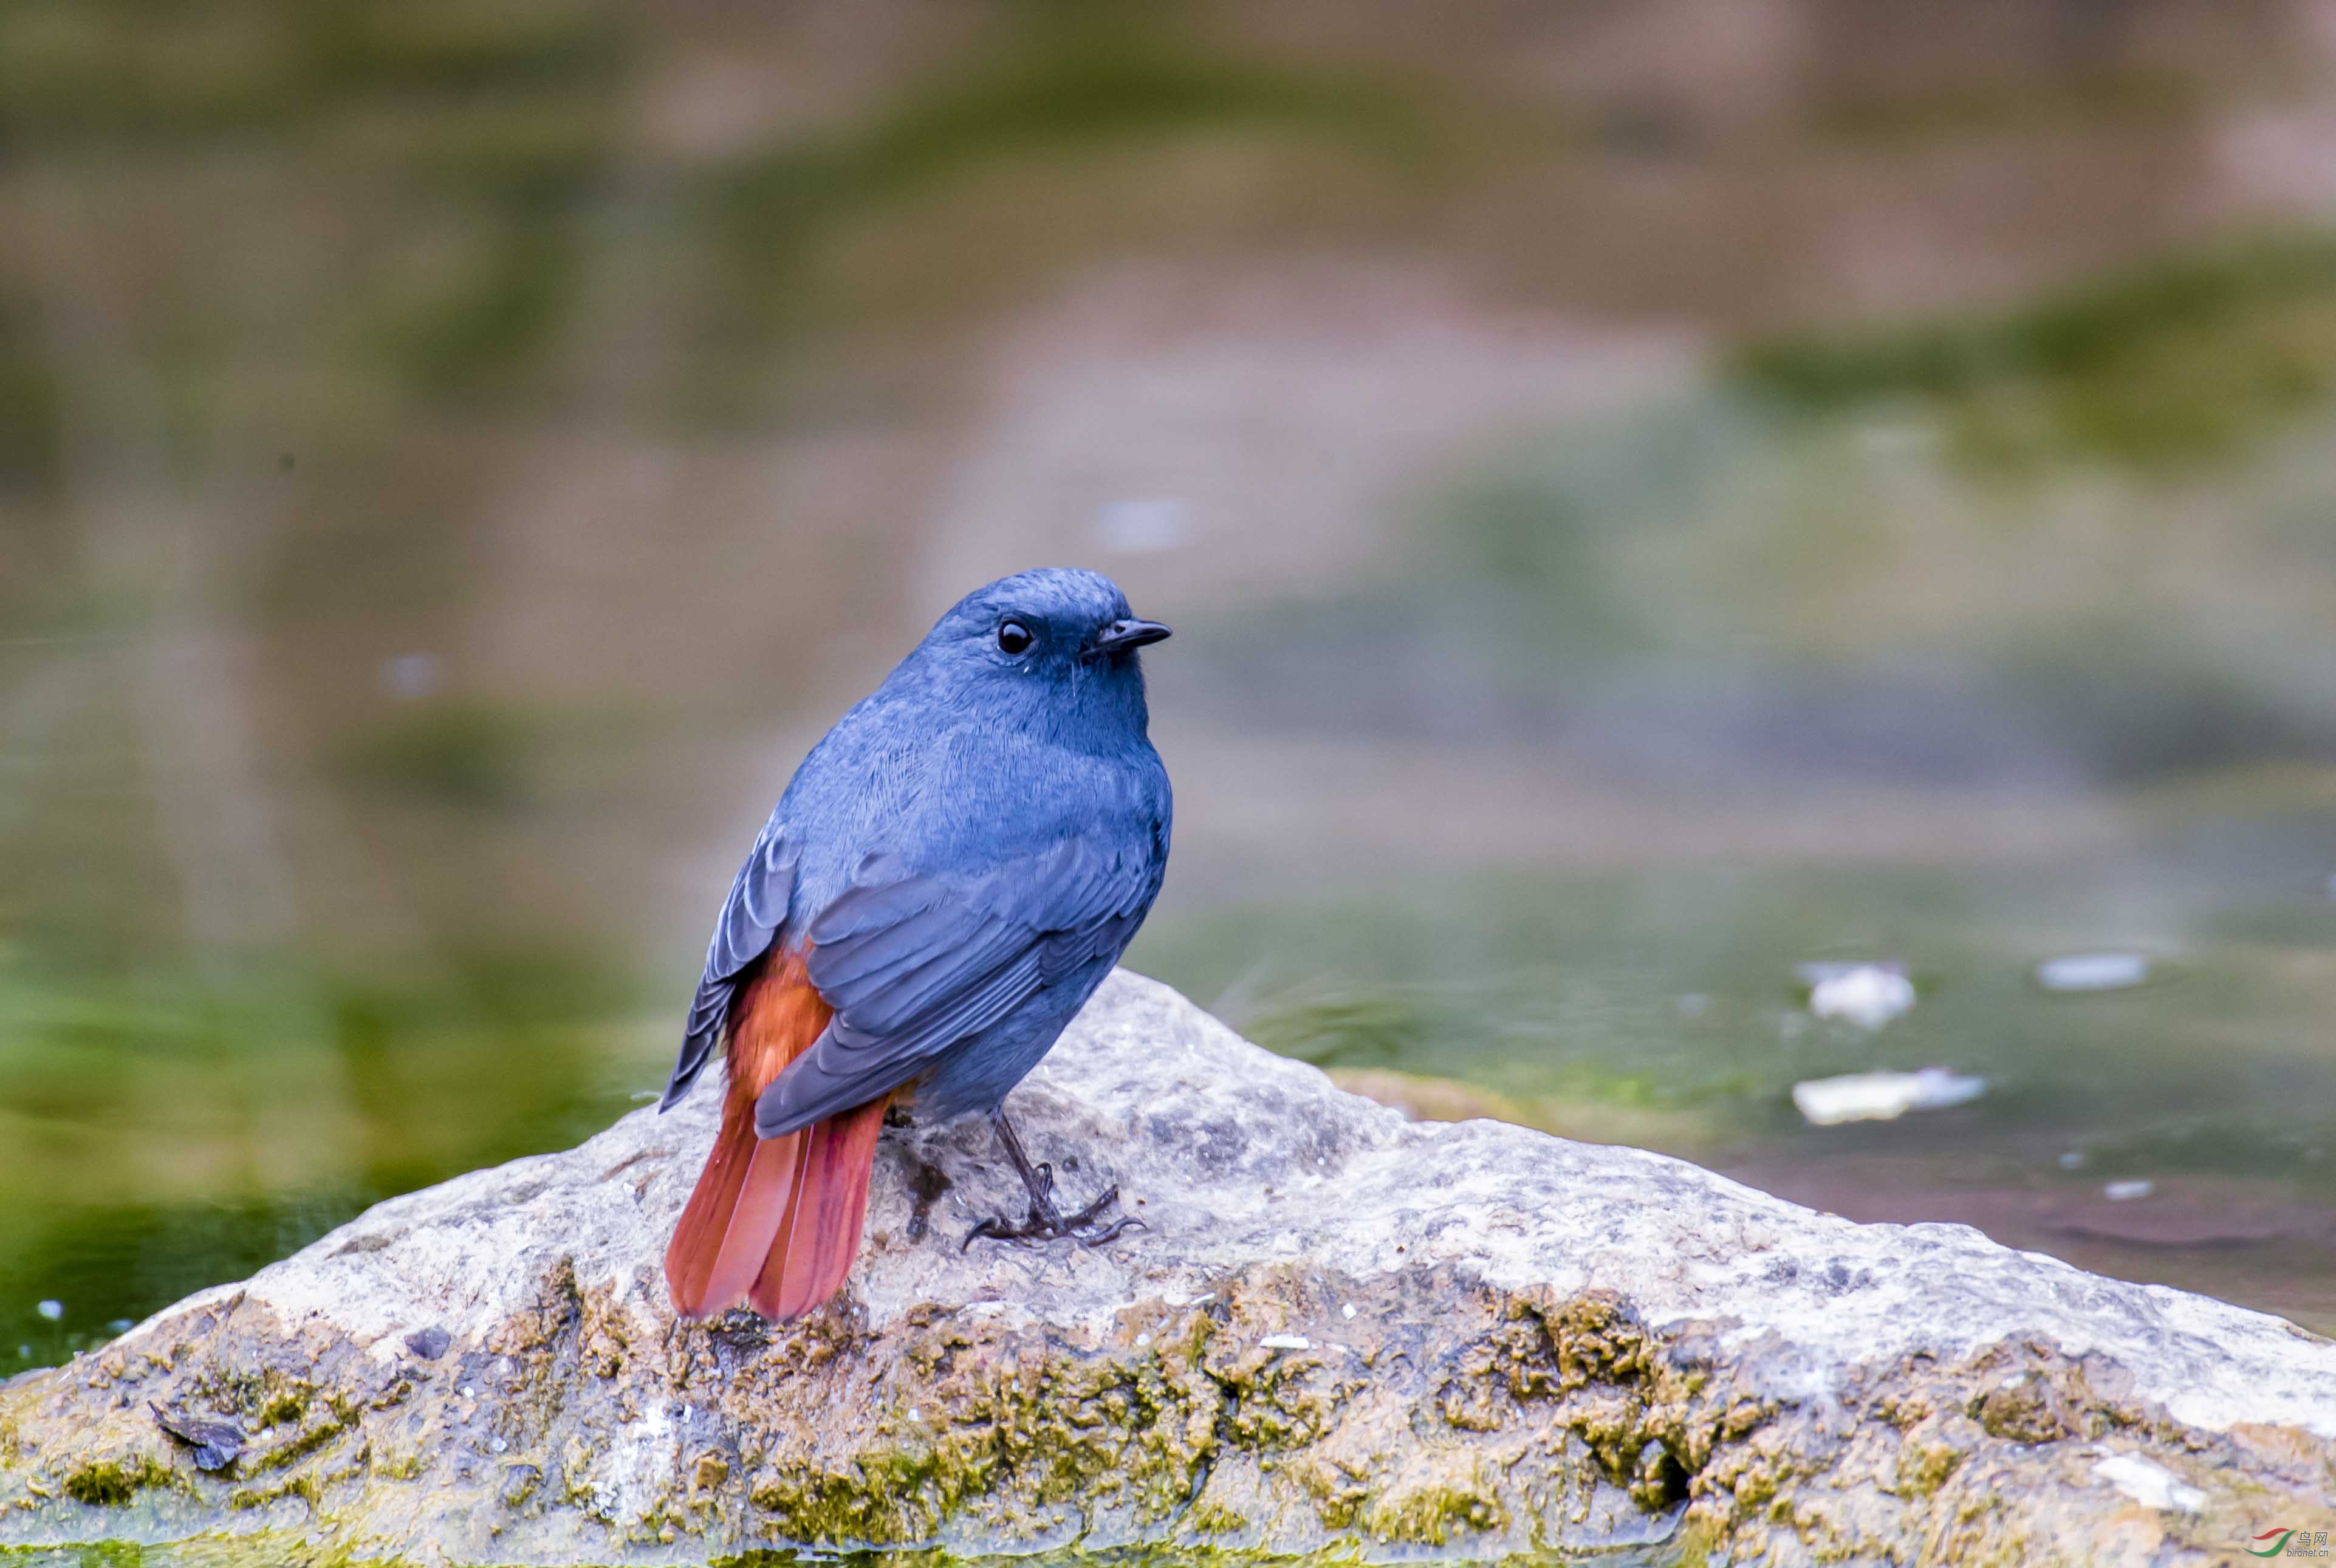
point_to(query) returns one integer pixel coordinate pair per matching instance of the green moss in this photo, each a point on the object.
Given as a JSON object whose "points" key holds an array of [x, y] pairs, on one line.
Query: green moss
{"points": [[1924, 1464], [1431, 1515], [883, 1499], [1213, 1518], [284, 1410], [406, 1466], [112, 1482], [2025, 1409], [303, 1486], [298, 1447], [1340, 1492], [1048, 1429]]}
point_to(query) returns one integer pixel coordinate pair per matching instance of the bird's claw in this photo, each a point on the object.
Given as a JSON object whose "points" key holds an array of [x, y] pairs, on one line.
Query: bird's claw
{"points": [[1044, 1224]]}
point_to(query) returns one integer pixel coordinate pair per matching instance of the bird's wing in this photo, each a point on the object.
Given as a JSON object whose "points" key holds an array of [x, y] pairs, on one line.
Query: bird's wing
{"points": [[913, 964], [750, 918]]}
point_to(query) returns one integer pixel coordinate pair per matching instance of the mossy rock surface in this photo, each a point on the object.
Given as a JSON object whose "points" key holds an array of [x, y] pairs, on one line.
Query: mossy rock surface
{"points": [[1342, 1332]]}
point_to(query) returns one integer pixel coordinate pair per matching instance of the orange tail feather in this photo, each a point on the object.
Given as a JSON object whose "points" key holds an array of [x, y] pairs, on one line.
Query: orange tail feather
{"points": [[691, 1256], [778, 1220], [822, 1236]]}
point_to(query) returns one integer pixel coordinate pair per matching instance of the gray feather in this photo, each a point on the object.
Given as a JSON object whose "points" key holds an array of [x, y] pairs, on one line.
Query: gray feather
{"points": [[915, 965], [751, 917]]}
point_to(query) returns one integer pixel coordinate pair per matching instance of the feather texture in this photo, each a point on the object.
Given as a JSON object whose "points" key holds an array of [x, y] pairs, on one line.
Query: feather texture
{"points": [[915, 965], [774, 1220], [750, 921], [947, 877]]}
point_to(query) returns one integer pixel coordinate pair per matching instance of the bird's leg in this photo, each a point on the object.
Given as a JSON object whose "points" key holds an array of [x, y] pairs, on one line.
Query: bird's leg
{"points": [[1046, 1222]]}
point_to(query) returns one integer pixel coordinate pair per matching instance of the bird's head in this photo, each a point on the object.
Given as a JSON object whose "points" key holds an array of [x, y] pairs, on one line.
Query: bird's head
{"points": [[1057, 644]]}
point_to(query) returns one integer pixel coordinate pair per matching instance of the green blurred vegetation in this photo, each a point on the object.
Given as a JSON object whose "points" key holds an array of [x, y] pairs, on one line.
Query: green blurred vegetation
{"points": [[487, 140], [464, 754], [1067, 84], [2178, 360], [88, 73], [28, 403]]}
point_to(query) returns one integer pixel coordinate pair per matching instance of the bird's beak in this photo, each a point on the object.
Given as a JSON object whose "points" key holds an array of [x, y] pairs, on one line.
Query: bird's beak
{"points": [[1121, 635]]}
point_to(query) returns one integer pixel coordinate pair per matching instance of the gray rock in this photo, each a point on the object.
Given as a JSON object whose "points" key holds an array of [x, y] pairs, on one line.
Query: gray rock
{"points": [[1341, 1327]]}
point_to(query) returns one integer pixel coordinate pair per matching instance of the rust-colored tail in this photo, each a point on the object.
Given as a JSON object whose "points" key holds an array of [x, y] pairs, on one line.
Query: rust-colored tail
{"points": [[774, 1222]]}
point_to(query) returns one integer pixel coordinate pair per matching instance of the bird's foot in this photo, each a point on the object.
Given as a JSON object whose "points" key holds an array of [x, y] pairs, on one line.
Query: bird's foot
{"points": [[1044, 1222]]}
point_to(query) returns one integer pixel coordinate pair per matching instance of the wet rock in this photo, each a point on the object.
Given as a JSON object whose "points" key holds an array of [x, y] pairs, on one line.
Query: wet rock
{"points": [[1341, 1327]]}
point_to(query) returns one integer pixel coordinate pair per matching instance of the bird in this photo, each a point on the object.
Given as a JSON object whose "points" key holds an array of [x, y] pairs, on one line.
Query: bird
{"points": [[949, 875]]}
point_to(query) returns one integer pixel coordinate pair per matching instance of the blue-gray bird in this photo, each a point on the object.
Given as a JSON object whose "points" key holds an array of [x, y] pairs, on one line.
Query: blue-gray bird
{"points": [[949, 876]]}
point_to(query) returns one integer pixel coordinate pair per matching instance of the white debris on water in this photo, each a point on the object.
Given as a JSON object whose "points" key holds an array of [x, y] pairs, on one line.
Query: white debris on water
{"points": [[1883, 1096], [1286, 1343], [53, 1310], [1866, 995], [2092, 972], [2150, 1484], [2126, 1192]]}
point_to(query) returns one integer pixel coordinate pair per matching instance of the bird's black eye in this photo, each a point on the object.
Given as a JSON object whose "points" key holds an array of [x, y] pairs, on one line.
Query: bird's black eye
{"points": [[1013, 638]]}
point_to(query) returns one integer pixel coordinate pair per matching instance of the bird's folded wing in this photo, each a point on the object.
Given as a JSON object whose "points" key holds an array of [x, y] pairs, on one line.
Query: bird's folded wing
{"points": [[914, 964], [750, 917]]}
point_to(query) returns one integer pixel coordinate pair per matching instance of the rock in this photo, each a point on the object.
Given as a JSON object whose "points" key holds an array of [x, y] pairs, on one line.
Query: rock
{"points": [[1342, 1327]]}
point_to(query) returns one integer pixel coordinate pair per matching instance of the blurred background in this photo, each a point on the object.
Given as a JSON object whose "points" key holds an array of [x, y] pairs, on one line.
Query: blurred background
{"points": [[1654, 495]]}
